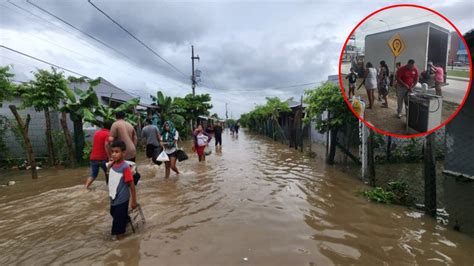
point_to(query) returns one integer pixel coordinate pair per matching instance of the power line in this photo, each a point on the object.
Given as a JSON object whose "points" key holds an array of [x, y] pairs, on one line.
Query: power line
{"points": [[137, 39], [277, 88], [76, 28], [61, 28], [41, 60]]}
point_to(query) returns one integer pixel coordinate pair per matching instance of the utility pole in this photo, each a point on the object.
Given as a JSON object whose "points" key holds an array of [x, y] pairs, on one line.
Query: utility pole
{"points": [[193, 76], [226, 113]]}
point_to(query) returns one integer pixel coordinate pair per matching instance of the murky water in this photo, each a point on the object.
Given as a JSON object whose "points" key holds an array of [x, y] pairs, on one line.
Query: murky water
{"points": [[254, 203]]}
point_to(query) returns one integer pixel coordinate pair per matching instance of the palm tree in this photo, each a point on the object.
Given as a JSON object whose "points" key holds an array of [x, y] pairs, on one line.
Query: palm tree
{"points": [[81, 109]]}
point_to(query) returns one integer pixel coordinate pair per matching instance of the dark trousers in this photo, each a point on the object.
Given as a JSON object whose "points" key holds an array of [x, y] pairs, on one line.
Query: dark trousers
{"points": [[120, 218], [218, 139]]}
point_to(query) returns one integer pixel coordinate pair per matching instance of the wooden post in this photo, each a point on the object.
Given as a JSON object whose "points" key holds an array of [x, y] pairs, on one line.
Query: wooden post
{"points": [[49, 138], [29, 148], [67, 136], [301, 122], [332, 147], [430, 176], [389, 148], [371, 159]]}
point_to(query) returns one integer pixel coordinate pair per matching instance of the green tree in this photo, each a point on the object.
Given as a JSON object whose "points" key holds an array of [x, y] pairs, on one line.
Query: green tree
{"points": [[167, 106], [44, 93], [107, 114], [193, 106], [261, 113], [81, 108], [6, 87], [328, 98], [7, 91]]}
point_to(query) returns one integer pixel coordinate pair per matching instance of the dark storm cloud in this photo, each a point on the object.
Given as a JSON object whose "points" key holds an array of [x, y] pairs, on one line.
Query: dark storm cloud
{"points": [[243, 45]]}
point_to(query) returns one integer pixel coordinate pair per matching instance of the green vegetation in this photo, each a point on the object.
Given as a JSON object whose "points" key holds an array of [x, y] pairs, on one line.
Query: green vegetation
{"points": [[394, 193], [6, 87], [261, 113], [44, 93], [458, 73], [87, 151], [181, 111], [379, 195], [326, 106]]}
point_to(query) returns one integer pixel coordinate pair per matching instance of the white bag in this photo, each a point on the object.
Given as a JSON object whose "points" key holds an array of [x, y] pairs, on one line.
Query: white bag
{"points": [[163, 157]]}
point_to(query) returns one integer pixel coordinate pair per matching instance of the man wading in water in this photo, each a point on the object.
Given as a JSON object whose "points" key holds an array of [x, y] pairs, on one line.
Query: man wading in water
{"points": [[124, 131], [151, 136], [100, 154], [169, 138]]}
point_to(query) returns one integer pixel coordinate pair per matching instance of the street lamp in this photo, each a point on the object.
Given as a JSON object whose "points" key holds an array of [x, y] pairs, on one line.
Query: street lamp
{"points": [[388, 26]]}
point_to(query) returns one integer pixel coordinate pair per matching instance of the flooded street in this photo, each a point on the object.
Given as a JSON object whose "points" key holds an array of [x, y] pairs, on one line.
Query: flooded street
{"points": [[256, 202]]}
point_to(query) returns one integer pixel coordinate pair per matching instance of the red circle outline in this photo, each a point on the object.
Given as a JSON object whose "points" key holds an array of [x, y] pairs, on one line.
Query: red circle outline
{"points": [[388, 133]]}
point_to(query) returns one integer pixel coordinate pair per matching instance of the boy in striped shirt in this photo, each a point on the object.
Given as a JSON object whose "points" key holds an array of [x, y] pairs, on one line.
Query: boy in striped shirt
{"points": [[121, 188]]}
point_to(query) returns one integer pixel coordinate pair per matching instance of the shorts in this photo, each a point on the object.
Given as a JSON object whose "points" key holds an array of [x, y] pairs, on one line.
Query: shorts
{"points": [[95, 165], [200, 150], [120, 218], [173, 154], [150, 150], [352, 85]]}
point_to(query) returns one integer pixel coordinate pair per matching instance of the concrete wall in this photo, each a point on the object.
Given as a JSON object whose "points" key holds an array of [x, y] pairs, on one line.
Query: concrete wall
{"points": [[36, 131]]}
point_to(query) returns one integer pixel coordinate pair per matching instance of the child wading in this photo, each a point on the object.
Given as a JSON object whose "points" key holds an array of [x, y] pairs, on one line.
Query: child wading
{"points": [[121, 188]]}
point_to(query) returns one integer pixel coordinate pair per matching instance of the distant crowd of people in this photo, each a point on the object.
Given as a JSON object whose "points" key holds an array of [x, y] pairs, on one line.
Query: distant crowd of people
{"points": [[404, 79]]}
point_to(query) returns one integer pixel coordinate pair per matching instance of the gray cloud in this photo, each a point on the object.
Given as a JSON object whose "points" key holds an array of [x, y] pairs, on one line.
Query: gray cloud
{"points": [[243, 45]]}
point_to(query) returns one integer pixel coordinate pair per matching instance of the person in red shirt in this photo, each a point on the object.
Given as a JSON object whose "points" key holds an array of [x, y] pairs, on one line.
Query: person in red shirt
{"points": [[407, 78], [100, 153]]}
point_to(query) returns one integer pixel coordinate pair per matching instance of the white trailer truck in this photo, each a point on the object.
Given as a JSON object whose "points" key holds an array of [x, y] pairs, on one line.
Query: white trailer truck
{"points": [[423, 42]]}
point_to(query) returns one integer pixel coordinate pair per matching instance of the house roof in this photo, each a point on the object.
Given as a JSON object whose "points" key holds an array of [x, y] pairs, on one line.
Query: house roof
{"points": [[105, 90], [291, 103]]}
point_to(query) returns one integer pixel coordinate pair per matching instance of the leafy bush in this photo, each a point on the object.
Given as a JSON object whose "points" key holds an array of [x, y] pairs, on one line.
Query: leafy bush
{"points": [[59, 146], [4, 124], [87, 151], [395, 192], [379, 195]]}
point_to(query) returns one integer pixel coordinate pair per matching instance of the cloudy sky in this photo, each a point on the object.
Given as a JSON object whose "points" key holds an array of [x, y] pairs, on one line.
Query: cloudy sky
{"points": [[249, 50]]}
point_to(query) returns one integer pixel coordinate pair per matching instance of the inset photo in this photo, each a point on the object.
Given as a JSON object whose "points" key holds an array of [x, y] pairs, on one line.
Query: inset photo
{"points": [[405, 71]]}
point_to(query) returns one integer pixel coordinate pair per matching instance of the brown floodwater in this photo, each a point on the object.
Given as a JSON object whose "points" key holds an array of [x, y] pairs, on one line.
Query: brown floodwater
{"points": [[256, 202]]}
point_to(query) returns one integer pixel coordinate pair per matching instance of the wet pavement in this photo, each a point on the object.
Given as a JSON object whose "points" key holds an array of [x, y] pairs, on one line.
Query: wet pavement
{"points": [[255, 202]]}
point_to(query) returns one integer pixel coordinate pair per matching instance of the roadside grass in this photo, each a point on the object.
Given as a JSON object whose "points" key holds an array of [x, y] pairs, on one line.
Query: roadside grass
{"points": [[458, 73]]}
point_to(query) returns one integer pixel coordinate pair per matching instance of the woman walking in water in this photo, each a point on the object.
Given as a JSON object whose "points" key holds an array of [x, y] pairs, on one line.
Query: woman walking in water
{"points": [[201, 140], [370, 82], [169, 138]]}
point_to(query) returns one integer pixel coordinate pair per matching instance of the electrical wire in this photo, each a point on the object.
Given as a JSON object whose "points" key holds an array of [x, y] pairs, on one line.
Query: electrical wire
{"points": [[76, 28], [43, 20], [41, 60], [137, 39]]}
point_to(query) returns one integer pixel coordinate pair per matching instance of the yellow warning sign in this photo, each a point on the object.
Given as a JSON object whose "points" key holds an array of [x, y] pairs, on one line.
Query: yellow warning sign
{"points": [[396, 44]]}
